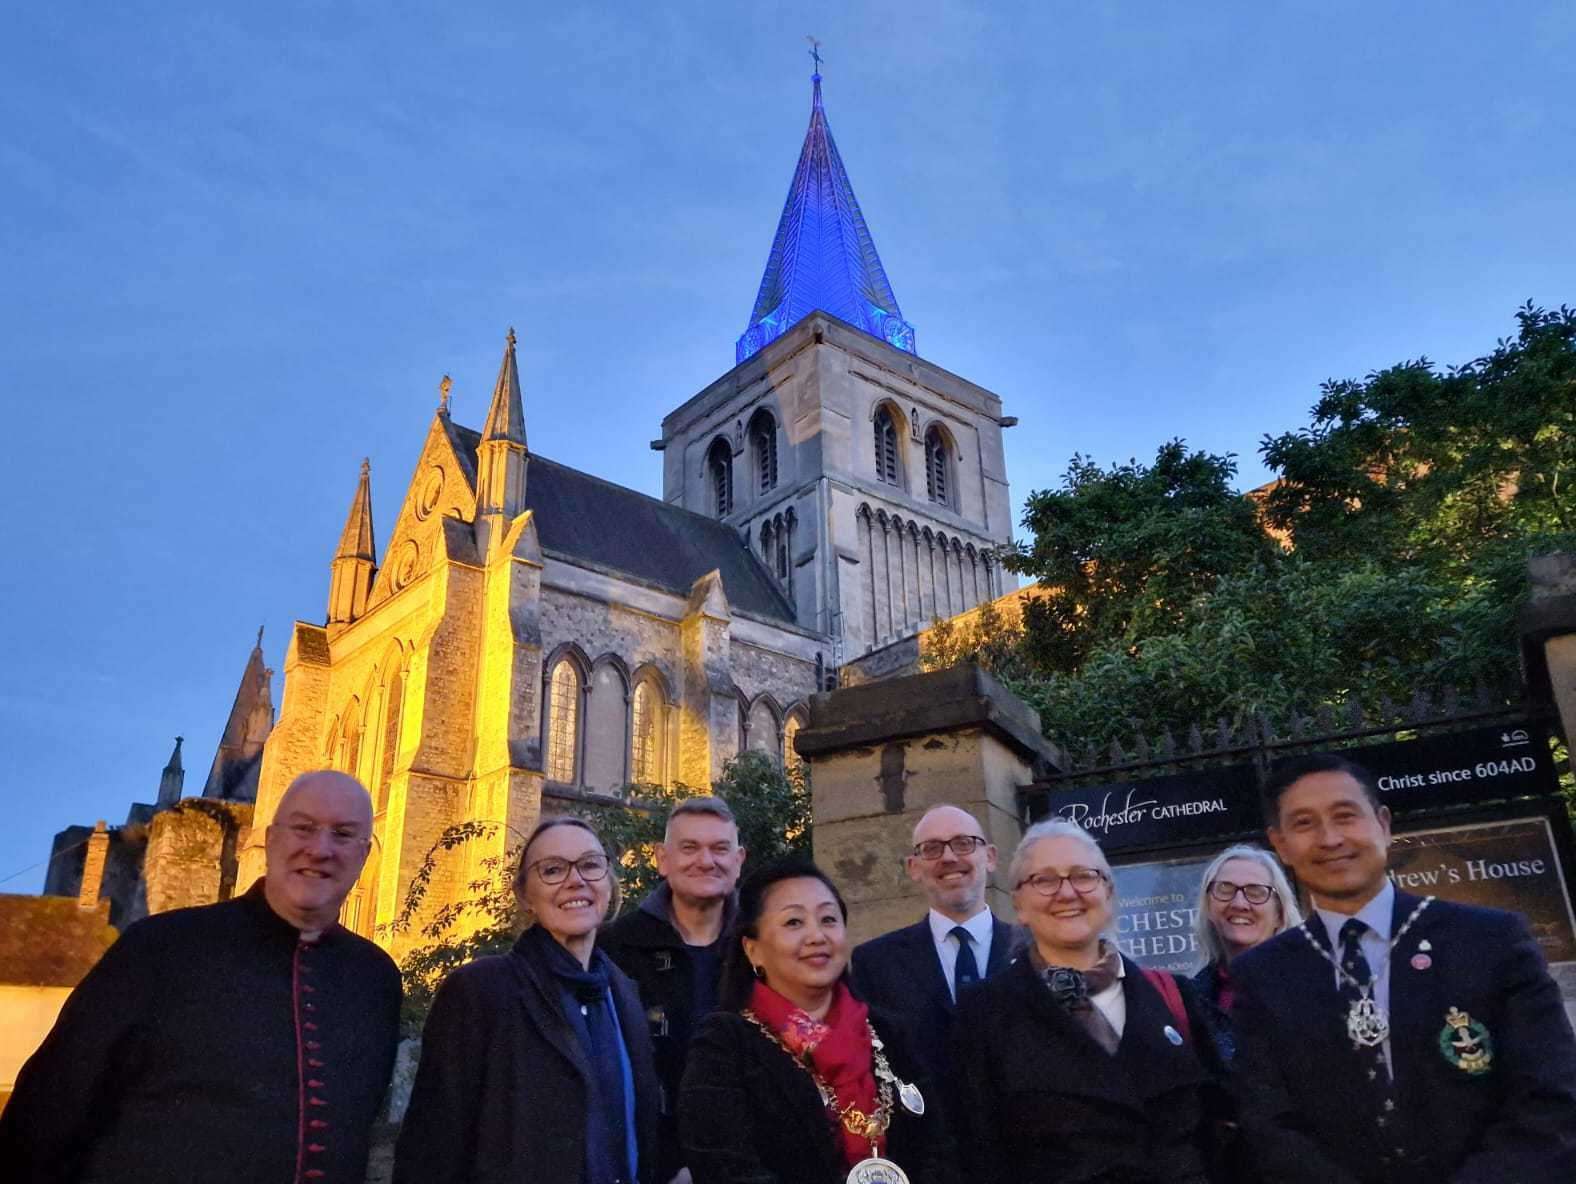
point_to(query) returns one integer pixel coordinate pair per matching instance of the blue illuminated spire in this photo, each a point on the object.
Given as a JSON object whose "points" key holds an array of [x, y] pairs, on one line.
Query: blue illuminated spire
{"points": [[823, 256]]}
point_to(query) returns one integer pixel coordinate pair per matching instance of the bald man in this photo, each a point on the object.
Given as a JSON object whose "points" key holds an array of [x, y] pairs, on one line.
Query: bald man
{"points": [[246, 1041], [917, 971]]}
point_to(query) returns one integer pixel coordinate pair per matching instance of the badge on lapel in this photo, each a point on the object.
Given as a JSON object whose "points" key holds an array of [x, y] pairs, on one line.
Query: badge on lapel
{"points": [[1466, 1044]]}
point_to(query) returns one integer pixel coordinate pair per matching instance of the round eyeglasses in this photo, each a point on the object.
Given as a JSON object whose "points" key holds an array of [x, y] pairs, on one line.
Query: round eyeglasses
{"points": [[1083, 879], [1225, 892], [555, 871], [960, 845]]}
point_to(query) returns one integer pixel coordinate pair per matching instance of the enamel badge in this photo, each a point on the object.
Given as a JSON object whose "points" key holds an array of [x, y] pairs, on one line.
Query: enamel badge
{"points": [[1465, 1043]]}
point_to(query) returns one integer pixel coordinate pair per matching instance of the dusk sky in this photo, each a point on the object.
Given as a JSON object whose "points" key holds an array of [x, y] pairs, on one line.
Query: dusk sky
{"points": [[241, 244]]}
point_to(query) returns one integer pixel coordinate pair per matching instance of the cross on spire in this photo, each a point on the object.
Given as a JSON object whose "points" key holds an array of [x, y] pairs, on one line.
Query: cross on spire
{"points": [[815, 52]]}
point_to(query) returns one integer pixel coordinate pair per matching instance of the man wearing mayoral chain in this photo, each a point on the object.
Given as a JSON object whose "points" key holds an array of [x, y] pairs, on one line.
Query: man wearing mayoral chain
{"points": [[1390, 1038]]}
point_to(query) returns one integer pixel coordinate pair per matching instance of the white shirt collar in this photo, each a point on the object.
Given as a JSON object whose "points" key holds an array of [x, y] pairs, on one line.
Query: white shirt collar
{"points": [[1377, 914], [978, 926]]}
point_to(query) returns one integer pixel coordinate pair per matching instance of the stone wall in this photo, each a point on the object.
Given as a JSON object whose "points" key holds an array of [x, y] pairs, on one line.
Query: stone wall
{"points": [[193, 853]]}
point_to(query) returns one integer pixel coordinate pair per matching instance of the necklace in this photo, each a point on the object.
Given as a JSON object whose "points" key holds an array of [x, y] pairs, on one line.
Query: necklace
{"points": [[1366, 1022], [856, 1122]]}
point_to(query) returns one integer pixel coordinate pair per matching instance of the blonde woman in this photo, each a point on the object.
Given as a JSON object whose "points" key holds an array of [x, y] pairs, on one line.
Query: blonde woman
{"points": [[537, 1064], [1243, 900]]}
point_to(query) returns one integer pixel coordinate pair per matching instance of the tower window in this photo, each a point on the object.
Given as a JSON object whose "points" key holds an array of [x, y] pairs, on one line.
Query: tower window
{"points": [[719, 467], [936, 485], [886, 447], [763, 444], [563, 722]]}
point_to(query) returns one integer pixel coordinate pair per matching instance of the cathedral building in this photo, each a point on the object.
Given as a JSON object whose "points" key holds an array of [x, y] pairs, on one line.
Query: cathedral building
{"points": [[533, 638]]}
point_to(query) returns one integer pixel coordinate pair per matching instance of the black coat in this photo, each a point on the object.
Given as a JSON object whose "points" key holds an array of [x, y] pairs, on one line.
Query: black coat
{"points": [[1306, 1119], [645, 946], [748, 1114], [501, 1092], [901, 973], [1206, 989], [210, 1044], [1043, 1102]]}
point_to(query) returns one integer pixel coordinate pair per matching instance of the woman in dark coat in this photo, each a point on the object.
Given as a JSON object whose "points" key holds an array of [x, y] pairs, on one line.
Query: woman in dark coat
{"points": [[1077, 1065], [1243, 900], [536, 1065], [794, 1080]]}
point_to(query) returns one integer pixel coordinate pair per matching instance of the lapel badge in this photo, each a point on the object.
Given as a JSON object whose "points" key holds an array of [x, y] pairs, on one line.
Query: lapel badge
{"points": [[1421, 961], [1465, 1043], [1425, 945], [1173, 1035]]}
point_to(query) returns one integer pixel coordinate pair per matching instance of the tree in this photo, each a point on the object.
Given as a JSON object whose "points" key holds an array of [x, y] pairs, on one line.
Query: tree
{"points": [[1120, 552]]}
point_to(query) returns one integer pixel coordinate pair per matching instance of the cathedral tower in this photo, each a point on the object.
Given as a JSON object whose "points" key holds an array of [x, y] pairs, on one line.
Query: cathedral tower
{"points": [[870, 482]]}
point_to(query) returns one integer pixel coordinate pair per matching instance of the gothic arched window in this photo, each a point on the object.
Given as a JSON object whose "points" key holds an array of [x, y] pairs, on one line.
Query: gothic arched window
{"points": [[936, 484], [719, 470], [563, 705], [792, 761], [763, 449], [645, 735], [886, 446], [394, 698]]}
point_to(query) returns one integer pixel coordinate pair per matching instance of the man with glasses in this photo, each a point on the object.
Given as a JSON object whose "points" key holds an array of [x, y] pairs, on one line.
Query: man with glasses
{"points": [[250, 1040], [671, 945], [918, 971]]}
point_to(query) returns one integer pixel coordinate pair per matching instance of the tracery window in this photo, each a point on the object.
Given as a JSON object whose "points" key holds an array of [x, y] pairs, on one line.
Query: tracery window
{"points": [[791, 759], [394, 703], [563, 722], [936, 484], [763, 444], [645, 735], [719, 466], [886, 447]]}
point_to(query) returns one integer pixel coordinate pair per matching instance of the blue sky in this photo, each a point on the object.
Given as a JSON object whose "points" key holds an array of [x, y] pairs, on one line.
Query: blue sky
{"points": [[240, 245]]}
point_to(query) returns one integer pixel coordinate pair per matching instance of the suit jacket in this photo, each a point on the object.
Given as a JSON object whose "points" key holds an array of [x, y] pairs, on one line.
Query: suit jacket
{"points": [[501, 1090], [1042, 1101], [748, 1114], [901, 973], [1306, 1119]]}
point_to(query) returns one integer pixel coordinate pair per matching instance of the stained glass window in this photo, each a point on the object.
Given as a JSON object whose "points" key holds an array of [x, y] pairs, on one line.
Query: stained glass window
{"points": [[563, 722], [645, 741]]}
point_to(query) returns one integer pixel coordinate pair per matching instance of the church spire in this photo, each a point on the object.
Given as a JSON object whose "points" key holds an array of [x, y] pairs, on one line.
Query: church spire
{"points": [[823, 256], [173, 778], [502, 455], [356, 560], [240, 753]]}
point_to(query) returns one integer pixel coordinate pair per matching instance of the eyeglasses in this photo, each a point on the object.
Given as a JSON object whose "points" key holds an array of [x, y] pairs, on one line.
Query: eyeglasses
{"points": [[1225, 892], [1083, 879], [555, 871], [962, 845], [340, 836]]}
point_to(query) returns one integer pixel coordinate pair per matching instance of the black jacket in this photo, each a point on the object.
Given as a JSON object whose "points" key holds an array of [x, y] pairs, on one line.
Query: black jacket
{"points": [[501, 1090], [1043, 1102], [900, 972], [1306, 1119], [748, 1114], [1206, 989], [210, 1044], [645, 945]]}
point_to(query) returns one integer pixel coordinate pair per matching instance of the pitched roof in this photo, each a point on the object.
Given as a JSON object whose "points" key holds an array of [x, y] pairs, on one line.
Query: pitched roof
{"points": [[823, 256], [50, 941], [587, 520]]}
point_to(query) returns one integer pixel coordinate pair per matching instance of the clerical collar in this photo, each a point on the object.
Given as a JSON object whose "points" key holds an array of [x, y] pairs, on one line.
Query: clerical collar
{"points": [[1378, 914]]}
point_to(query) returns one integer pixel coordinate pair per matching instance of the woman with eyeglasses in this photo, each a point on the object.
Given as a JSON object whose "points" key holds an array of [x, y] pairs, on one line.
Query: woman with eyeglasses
{"points": [[794, 1080], [1077, 1064], [537, 1064], [1243, 900]]}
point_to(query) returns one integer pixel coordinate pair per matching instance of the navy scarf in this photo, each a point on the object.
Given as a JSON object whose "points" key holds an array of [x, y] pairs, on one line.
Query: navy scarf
{"points": [[587, 1001]]}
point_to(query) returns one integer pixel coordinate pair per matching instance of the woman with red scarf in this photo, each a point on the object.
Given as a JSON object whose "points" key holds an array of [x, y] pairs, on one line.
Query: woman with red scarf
{"points": [[795, 1080]]}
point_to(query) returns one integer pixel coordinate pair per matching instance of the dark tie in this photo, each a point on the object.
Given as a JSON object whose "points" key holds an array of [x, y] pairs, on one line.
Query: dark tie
{"points": [[1373, 1073], [1353, 960], [967, 970]]}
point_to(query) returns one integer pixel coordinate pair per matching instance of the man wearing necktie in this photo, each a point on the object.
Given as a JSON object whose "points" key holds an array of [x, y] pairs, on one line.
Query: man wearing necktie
{"points": [[918, 971], [1392, 1039]]}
